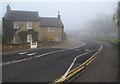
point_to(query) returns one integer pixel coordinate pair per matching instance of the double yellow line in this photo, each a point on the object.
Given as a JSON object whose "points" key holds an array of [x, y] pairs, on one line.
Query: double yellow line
{"points": [[77, 69]]}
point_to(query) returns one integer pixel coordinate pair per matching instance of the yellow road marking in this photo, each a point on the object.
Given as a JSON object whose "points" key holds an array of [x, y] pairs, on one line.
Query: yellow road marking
{"points": [[72, 74], [77, 69]]}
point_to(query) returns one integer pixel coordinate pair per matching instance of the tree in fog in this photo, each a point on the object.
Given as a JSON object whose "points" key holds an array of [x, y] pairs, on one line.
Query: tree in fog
{"points": [[118, 13], [0, 27], [64, 36], [116, 16], [103, 26]]}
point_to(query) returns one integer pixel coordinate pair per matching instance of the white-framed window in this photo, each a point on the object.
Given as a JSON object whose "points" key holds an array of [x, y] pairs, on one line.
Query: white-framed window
{"points": [[51, 29], [14, 40], [29, 25], [16, 25], [29, 38]]}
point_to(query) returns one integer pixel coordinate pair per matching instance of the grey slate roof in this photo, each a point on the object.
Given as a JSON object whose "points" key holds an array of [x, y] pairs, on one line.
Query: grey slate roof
{"points": [[22, 15], [33, 16], [50, 22]]}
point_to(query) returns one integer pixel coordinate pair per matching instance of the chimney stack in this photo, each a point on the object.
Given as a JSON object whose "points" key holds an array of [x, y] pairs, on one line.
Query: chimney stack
{"points": [[59, 15], [8, 8]]}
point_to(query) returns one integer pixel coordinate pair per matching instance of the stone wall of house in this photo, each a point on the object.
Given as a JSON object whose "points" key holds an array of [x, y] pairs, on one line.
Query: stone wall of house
{"points": [[8, 31], [23, 27], [23, 24], [45, 35]]}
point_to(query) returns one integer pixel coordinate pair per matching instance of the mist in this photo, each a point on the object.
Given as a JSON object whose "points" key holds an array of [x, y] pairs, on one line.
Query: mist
{"points": [[102, 27], [82, 20]]}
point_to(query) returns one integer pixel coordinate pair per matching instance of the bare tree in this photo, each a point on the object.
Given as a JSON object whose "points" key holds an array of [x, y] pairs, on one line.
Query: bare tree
{"points": [[103, 26]]}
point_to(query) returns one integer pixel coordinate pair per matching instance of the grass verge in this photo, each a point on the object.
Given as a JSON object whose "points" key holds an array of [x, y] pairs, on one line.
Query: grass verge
{"points": [[115, 41]]}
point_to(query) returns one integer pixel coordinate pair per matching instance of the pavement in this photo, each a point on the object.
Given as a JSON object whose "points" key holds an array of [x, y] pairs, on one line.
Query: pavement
{"points": [[104, 68]]}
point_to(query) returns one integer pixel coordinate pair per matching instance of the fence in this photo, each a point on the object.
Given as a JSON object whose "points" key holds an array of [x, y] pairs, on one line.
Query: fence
{"points": [[10, 47]]}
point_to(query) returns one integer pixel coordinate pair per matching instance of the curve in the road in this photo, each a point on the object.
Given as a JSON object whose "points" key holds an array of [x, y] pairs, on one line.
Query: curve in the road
{"points": [[71, 73], [48, 67]]}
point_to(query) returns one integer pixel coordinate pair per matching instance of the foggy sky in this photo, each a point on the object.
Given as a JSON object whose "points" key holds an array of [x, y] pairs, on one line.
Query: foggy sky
{"points": [[74, 15]]}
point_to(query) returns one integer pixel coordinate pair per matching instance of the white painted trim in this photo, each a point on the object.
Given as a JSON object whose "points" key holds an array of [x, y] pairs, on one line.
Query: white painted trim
{"points": [[33, 44], [14, 39], [28, 37], [16, 25], [51, 29], [28, 23]]}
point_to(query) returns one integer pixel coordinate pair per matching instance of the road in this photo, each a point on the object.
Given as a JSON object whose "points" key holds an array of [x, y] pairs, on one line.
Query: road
{"points": [[104, 68], [44, 65]]}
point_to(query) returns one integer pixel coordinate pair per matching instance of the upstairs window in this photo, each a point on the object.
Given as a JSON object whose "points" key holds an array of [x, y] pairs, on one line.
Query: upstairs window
{"points": [[16, 25], [51, 29], [29, 25]]}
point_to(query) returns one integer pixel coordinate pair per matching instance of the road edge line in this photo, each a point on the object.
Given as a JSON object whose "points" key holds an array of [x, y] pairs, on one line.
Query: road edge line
{"points": [[86, 63]]}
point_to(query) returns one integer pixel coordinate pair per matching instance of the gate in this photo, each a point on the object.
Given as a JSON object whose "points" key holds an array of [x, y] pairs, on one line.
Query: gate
{"points": [[33, 44]]}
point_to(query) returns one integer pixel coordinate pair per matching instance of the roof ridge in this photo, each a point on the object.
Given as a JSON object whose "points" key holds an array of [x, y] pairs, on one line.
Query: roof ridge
{"points": [[48, 17], [22, 15], [50, 22], [23, 11]]}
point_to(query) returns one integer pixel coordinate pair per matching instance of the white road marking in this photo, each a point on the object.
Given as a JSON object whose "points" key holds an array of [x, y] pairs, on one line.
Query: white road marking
{"points": [[66, 73], [25, 59], [23, 53], [79, 46], [30, 54], [15, 61], [86, 50], [51, 53], [77, 49]]}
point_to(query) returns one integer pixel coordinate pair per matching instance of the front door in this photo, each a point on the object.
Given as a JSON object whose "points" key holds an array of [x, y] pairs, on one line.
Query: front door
{"points": [[29, 38]]}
